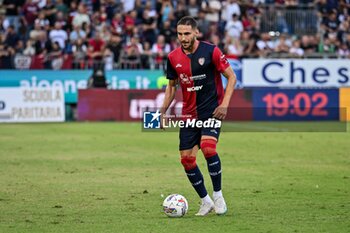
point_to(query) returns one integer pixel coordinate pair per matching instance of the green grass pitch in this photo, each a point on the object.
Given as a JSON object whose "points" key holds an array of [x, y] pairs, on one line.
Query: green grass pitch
{"points": [[110, 177]]}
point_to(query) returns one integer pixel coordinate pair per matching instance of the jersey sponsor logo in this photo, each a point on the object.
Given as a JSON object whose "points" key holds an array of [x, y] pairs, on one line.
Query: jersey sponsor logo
{"points": [[178, 65], [195, 88], [185, 79], [201, 61], [199, 77]]}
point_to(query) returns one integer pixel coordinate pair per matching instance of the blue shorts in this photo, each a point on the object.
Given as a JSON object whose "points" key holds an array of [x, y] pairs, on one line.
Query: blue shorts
{"points": [[189, 137]]}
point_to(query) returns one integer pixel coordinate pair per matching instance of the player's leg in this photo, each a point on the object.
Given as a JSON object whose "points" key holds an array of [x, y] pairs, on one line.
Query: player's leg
{"points": [[208, 147], [188, 160], [189, 146]]}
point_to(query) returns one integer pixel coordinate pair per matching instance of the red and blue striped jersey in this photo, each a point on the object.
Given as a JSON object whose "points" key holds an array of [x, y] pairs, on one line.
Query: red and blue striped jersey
{"points": [[199, 75]]}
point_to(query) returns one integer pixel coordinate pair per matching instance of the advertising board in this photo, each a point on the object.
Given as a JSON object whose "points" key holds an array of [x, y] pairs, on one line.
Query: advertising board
{"points": [[32, 104]]}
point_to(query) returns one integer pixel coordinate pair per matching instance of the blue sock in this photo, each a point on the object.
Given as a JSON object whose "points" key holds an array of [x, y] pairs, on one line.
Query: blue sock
{"points": [[214, 168], [196, 178]]}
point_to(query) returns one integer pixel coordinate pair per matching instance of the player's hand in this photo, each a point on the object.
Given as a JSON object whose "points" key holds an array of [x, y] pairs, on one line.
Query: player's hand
{"points": [[220, 112], [161, 121]]}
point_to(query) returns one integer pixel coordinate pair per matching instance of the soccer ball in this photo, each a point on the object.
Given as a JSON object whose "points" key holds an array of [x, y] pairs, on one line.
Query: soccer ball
{"points": [[175, 205]]}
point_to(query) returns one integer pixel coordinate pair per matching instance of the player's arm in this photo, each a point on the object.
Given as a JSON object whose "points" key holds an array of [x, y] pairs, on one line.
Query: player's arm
{"points": [[221, 111], [171, 87], [168, 98], [169, 95]]}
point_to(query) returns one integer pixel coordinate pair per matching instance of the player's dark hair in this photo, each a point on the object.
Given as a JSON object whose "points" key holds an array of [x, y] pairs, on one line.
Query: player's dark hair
{"points": [[188, 20]]}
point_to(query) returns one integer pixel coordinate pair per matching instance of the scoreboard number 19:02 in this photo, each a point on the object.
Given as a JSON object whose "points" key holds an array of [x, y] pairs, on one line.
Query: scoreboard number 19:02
{"points": [[301, 104]]}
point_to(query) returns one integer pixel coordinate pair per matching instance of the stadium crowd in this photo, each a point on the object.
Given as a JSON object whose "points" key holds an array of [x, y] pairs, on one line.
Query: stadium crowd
{"points": [[80, 34]]}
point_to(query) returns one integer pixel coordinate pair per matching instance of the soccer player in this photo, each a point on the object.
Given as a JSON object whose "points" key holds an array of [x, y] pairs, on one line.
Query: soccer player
{"points": [[197, 66]]}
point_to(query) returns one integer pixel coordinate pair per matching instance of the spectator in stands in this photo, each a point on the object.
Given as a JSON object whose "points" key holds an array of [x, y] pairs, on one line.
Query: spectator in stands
{"points": [[203, 25], [61, 7], [19, 47], [343, 51], [290, 3], [115, 46], [215, 39], [147, 61], [212, 30], [29, 50], [6, 54], [212, 9], [295, 50], [61, 19], [307, 44], [12, 9], [42, 21], [108, 59], [76, 34], [130, 22], [167, 31], [79, 50], [30, 12], [331, 23], [117, 23], [230, 8], [105, 33], [180, 10], [322, 9], [81, 16], [329, 45], [251, 49], [345, 5], [11, 36], [347, 39], [193, 8], [96, 50], [166, 9], [234, 27], [149, 26], [87, 29], [160, 51], [133, 51], [233, 47], [282, 45], [265, 45], [128, 5], [50, 12], [58, 35], [37, 31], [249, 23], [54, 58]]}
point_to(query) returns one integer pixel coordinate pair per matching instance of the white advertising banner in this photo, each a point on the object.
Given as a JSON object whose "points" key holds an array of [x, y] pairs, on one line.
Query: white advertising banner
{"points": [[296, 73], [44, 104]]}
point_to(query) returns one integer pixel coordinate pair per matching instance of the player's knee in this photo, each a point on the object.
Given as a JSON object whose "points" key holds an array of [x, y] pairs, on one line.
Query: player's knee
{"points": [[188, 162], [208, 147]]}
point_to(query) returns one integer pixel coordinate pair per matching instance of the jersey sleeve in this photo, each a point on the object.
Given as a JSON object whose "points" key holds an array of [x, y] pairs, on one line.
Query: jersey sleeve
{"points": [[220, 60], [170, 71]]}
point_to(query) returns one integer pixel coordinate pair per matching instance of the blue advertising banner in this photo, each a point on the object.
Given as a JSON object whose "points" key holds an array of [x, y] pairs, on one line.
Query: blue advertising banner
{"points": [[72, 80], [270, 104]]}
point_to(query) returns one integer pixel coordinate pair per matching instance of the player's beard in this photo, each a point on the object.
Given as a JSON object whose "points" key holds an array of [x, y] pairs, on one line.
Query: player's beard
{"points": [[190, 46]]}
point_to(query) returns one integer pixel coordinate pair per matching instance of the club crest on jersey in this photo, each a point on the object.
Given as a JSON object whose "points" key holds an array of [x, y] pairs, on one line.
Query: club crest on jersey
{"points": [[201, 61]]}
